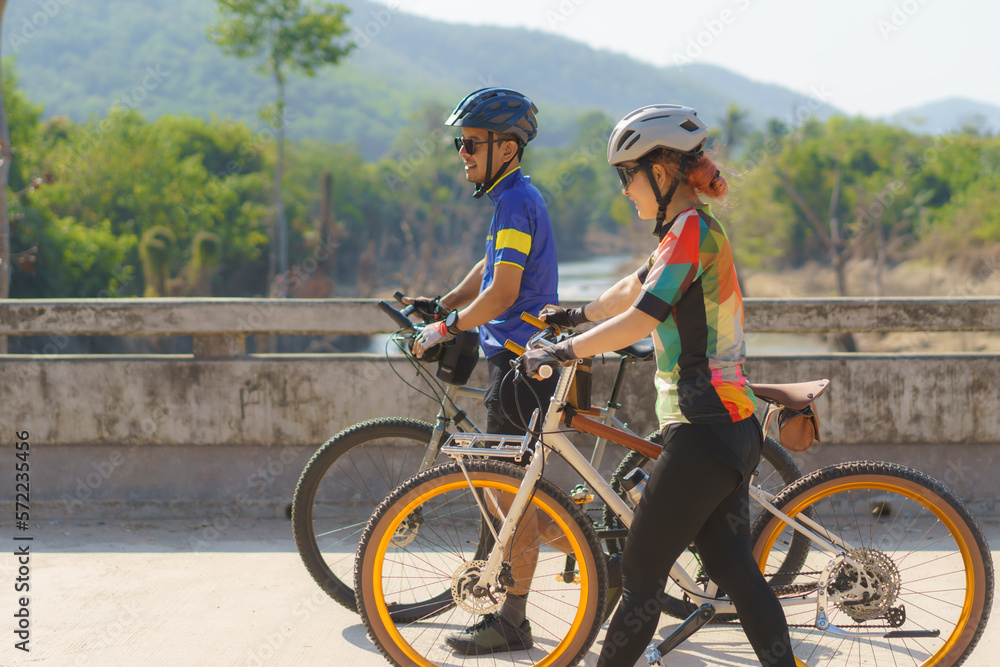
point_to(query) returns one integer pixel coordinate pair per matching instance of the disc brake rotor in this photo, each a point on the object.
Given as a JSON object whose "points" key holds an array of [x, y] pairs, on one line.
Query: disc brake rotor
{"points": [[463, 589]]}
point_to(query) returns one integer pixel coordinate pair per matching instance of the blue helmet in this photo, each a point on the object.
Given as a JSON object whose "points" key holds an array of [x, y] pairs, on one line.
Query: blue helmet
{"points": [[497, 110]]}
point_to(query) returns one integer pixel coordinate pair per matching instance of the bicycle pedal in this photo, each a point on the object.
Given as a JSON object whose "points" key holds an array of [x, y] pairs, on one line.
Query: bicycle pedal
{"points": [[561, 577], [581, 495]]}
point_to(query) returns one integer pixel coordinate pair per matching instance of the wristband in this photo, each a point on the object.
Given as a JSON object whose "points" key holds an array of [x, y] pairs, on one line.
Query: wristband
{"points": [[451, 322]]}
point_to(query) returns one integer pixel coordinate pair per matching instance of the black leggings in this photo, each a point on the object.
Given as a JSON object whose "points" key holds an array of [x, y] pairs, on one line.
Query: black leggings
{"points": [[693, 497]]}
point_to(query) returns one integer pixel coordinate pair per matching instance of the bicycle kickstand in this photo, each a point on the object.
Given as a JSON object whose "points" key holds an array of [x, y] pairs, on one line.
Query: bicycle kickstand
{"points": [[691, 625]]}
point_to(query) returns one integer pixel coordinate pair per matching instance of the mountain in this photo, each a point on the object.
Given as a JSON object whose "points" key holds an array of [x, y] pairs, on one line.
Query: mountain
{"points": [[78, 59], [948, 115]]}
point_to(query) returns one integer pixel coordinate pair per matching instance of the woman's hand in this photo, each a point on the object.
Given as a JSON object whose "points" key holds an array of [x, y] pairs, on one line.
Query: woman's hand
{"points": [[532, 360], [560, 317]]}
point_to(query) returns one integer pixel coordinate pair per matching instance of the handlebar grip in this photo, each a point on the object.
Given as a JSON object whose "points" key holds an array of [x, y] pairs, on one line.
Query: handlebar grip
{"points": [[399, 318], [514, 347], [534, 321], [545, 372], [398, 296]]}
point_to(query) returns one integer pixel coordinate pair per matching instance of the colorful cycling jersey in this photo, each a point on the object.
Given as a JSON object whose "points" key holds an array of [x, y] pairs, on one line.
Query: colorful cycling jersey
{"points": [[521, 235], [689, 285]]}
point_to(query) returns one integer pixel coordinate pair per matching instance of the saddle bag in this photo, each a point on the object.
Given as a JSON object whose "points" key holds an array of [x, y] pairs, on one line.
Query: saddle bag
{"points": [[798, 430]]}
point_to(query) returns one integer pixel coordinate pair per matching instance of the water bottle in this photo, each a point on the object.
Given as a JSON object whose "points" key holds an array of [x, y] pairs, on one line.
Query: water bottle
{"points": [[634, 482]]}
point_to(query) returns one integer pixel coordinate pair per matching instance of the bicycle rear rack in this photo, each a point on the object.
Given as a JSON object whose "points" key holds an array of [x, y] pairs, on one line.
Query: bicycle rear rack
{"points": [[488, 445]]}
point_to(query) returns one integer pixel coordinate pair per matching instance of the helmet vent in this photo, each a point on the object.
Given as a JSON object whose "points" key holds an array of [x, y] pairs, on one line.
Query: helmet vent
{"points": [[625, 137], [633, 140], [689, 125]]}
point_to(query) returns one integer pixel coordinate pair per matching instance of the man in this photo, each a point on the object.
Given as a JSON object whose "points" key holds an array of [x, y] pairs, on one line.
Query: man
{"points": [[518, 273]]}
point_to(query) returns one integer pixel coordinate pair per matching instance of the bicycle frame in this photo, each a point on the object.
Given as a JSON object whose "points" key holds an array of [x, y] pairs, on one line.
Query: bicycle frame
{"points": [[555, 441], [450, 413]]}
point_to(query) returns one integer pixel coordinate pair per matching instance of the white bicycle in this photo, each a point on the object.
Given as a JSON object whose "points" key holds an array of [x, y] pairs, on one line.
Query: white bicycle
{"points": [[897, 570]]}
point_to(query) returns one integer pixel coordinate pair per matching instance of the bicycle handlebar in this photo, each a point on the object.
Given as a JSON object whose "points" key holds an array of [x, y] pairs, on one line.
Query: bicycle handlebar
{"points": [[399, 317], [545, 331]]}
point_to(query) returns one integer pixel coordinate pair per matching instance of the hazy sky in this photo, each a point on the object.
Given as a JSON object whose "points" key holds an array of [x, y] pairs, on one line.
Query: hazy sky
{"points": [[875, 57]]}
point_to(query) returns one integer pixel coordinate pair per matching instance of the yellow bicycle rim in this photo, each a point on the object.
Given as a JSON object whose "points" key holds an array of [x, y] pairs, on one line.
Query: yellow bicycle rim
{"points": [[387, 536]]}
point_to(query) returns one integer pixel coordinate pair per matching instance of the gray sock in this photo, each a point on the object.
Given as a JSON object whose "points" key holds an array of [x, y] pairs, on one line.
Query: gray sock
{"points": [[513, 608]]}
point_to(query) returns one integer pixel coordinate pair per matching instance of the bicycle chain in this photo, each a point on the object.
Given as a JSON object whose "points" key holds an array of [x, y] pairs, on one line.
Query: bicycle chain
{"points": [[793, 590]]}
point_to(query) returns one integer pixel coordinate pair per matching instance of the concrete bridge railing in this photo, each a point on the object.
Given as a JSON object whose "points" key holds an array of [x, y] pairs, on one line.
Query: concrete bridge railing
{"points": [[226, 431]]}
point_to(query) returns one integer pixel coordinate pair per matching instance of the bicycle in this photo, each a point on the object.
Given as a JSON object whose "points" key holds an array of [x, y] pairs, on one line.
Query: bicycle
{"points": [[897, 571], [332, 505]]}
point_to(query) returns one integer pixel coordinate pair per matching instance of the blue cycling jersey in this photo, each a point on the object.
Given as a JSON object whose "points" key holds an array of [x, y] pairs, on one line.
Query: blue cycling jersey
{"points": [[520, 234]]}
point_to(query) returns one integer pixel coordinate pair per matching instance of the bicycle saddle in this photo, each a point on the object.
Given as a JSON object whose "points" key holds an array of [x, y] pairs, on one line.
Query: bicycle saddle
{"points": [[796, 395], [639, 351]]}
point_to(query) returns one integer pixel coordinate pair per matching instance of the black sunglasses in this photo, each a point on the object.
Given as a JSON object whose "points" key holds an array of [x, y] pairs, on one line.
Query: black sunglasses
{"points": [[470, 145], [626, 174]]}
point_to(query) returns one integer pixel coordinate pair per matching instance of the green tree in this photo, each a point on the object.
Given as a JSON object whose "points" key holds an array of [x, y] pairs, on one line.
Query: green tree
{"points": [[735, 130], [186, 174], [290, 36], [579, 187]]}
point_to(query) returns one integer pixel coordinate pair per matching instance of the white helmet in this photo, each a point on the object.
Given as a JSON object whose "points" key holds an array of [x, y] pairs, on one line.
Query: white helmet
{"points": [[656, 126]]}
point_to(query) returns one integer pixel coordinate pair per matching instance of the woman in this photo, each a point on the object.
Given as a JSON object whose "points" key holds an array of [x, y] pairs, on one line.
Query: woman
{"points": [[688, 297]]}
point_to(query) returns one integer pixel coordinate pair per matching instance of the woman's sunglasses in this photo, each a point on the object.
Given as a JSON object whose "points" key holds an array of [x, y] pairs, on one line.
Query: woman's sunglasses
{"points": [[470, 145], [626, 174]]}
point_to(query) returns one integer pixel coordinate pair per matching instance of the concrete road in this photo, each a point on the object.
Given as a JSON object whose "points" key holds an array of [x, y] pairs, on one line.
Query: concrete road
{"points": [[184, 593]]}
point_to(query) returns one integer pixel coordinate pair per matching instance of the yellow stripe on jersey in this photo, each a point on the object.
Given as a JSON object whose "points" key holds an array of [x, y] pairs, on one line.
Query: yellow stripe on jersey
{"points": [[514, 239], [509, 264]]}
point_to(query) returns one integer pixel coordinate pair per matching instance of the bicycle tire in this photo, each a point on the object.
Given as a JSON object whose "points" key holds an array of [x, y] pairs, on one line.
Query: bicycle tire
{"points": [[777, 470], [564, 616], [331, 504], [920, 547]]}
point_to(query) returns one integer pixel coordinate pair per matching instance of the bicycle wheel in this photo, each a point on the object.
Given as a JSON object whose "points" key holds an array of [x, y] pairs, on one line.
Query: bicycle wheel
{"points": [[424, 539], [342, 485], [924, 589], [776, 470]]}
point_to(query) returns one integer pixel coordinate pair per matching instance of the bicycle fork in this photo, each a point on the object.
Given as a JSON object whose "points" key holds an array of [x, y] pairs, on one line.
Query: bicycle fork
{"points": [[491, 574]]}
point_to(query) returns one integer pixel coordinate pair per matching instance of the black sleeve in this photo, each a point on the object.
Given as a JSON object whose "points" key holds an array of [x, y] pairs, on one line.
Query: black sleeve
{"points": [[643, 271], [653, 306]]}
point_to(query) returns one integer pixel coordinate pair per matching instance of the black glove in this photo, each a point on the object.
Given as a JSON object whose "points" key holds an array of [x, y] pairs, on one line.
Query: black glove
{"points": [[429, 309], [559, 316], [532, 360]]}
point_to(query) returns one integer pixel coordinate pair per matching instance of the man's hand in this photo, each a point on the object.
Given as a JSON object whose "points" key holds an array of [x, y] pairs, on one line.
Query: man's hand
{"points": [[559, 316], [425, 306], [433, 334], [552, 355]]}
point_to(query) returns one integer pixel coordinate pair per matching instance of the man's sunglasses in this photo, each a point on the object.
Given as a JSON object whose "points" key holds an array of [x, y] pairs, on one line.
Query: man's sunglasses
{"points": [[626, 174], [470, 145]]}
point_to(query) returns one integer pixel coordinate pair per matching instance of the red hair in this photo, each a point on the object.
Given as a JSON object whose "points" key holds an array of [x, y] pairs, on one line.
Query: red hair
{"points": [[701, 173]]}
